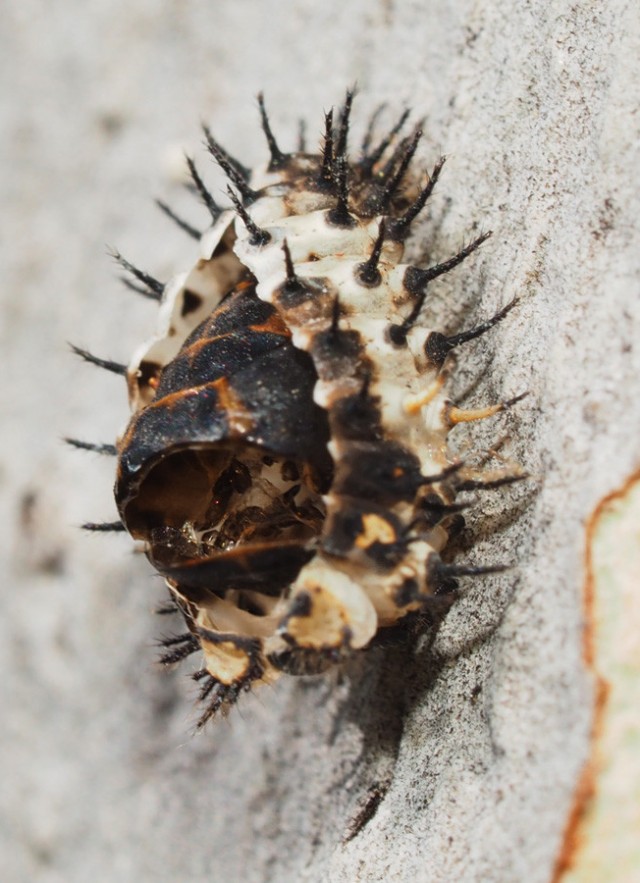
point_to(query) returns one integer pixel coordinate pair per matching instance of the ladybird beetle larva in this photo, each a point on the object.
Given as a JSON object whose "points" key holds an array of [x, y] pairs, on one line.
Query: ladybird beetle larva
{"points": [[286, 462]]}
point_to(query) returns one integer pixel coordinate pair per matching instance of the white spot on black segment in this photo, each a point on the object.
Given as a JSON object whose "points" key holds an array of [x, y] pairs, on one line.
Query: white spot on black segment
{"points": [[287, 465]]}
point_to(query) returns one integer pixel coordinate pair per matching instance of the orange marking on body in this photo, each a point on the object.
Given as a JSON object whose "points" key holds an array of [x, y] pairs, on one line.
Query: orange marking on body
{"points": [[273, 325], [413, 404], [240, 421], [375, 530], [192, 351], [462, 415]]}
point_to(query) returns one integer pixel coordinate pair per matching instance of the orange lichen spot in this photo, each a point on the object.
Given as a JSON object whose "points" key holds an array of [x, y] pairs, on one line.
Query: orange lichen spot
{"points": [[601, 835]]}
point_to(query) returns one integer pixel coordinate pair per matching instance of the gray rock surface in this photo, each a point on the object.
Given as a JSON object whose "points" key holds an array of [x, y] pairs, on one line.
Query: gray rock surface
{"points": [[474, 739]]}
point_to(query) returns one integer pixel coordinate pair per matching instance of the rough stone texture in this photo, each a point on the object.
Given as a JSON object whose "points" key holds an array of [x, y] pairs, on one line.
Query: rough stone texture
{"points": [[479, 735]]}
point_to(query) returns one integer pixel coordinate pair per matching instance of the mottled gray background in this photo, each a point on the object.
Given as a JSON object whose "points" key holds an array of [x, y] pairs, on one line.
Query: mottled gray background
{"points": [[479, 737]]}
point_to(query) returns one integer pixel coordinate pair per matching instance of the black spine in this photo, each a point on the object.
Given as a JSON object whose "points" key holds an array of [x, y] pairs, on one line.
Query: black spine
{"points": [[258, 235], [302, 135], [415, 279], [168, 211], [368, 273], [108, 450], [399, 228], [326, 179], [214, 209], [343, 130], [409, 149], [154, 287], [368, 135], [475, 484], [370, 159], [107, 364], [277, 156], [292, 283], [438, 346], [104, 527], [183, 646], [235, 172]]}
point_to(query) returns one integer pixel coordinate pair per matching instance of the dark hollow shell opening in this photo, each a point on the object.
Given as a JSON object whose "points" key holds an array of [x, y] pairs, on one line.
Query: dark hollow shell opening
{"points": [[228, 517], [220, 497], [222, 475]]}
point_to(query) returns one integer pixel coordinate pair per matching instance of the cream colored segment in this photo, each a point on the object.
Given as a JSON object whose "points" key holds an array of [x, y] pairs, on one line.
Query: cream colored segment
{"points": [[212, 237], [382, 588], [304, 216], [326, 393], [324, 627], [337, 253], [210, 279], [306, 235], [434, 432], [370, 311], [221, 615], [413, 405], [434, 416], [389, 299], [226, 662], [345, 592], [350, 250], [379, 589], [160, 348]]}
